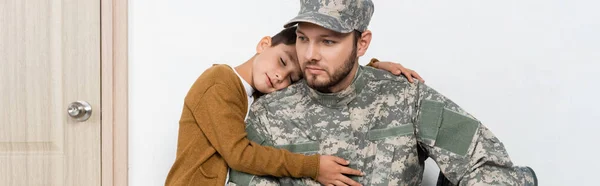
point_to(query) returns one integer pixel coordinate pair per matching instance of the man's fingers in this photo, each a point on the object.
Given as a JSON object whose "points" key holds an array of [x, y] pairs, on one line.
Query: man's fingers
{"points": [[350, 171], [349, 181]]}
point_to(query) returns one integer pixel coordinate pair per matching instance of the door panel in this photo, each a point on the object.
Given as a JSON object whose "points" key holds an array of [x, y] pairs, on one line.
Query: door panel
{"points": [[49, 57]]}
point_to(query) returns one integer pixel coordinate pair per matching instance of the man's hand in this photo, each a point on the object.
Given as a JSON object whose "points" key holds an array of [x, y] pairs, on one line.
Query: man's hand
{"points": [[332, 170], [397, 69]]}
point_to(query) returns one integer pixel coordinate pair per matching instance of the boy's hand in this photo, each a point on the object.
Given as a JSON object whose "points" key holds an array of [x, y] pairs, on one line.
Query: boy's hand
{"points": [[397, 69], [332, 170]]}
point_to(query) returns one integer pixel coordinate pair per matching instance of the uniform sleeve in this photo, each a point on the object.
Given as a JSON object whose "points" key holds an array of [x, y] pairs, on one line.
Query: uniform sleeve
{"points": [[225, 130], [466, 152]]}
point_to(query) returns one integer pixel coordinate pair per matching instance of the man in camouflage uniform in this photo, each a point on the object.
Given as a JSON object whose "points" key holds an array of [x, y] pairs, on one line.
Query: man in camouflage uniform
{"points": [[385, 126]]}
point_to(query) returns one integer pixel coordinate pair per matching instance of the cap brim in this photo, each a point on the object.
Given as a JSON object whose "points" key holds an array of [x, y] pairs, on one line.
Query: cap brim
{"points": [[322, 20]]}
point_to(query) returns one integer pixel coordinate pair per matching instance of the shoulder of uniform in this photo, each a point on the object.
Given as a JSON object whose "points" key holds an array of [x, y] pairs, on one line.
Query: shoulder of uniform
{"points": [[378, 76], [286, 96]]}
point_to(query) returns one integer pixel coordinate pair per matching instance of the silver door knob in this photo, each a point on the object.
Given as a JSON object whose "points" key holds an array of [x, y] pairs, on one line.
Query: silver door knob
{"points": [[80, 110]]}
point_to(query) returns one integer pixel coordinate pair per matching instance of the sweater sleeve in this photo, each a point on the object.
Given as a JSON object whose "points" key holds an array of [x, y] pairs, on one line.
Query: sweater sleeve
{"points": [[372, 62], [221, 118]]}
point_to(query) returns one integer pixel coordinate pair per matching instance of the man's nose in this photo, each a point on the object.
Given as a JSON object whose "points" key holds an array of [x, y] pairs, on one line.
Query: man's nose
{"points": [[312, 52]]}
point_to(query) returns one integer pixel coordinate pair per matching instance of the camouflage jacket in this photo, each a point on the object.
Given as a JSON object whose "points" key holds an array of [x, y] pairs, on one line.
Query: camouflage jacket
{"points": [[386, 127]]}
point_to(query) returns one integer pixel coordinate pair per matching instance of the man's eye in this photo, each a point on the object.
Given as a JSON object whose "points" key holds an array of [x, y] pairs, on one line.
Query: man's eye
{"points": [[301, 38], [328, 42], [282, 62]]}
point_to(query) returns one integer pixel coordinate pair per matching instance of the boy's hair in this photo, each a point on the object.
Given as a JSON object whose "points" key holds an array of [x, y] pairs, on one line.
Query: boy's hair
{"points": [[286, 36]]}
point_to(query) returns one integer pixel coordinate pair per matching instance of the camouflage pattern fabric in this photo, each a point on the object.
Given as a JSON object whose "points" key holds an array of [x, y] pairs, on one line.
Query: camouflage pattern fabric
{"points": [[343, 16], [386, 127]]}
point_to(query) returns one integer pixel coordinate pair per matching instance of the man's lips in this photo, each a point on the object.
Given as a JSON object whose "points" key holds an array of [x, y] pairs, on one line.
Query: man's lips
{"points": [[314, 69], [269, 81]]}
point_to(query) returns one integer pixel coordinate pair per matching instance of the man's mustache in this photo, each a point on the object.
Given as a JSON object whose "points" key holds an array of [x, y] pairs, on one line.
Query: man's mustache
{"points": [[313, 64]]}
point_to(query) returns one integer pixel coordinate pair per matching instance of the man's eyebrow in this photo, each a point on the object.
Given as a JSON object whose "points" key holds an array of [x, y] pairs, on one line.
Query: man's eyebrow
{"points": [[299, 32]]}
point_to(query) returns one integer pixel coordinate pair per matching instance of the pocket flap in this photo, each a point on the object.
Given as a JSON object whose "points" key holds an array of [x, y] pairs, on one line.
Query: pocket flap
{"points": [[377, 134], [300, 147]]}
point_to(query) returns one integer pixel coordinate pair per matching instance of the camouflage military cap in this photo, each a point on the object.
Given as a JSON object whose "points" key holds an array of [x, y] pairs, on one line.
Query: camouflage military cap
{"points": [[343, 16]]}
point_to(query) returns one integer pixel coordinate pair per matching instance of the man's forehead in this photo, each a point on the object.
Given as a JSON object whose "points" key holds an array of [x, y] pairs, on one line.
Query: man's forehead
{"points": [[305, 27]]}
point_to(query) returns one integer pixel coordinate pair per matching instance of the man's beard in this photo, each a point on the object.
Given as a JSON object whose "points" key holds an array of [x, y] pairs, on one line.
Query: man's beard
{"points": [[335, 79]]}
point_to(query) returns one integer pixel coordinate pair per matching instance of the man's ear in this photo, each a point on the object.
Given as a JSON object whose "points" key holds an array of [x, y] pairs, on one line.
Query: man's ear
{"points": [[363, 43], [263, 44]]}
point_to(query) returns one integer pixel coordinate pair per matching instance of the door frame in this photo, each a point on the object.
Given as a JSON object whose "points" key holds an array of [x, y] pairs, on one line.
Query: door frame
{"points": [[114, 91]]}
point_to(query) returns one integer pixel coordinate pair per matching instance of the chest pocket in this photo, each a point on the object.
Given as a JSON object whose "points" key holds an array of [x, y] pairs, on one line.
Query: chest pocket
{"points": [[392, 145]]}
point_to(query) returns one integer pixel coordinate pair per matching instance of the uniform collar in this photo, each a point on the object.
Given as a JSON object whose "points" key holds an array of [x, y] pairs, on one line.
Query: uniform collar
{"points": [[341, 98]]}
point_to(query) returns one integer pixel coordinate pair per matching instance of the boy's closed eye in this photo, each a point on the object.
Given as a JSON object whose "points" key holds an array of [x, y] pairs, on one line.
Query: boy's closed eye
{"points": [[282, 61]]}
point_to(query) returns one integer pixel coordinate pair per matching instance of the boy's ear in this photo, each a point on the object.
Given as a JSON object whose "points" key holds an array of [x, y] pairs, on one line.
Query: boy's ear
{"points": [[363, 43], [263, 44]]}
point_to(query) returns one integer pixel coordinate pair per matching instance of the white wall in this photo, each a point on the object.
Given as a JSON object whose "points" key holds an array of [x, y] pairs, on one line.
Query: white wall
{"points": [[527, 69]]}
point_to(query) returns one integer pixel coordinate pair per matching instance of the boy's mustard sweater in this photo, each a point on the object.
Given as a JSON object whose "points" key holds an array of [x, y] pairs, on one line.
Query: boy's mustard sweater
{"points": [[212, 136]]}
